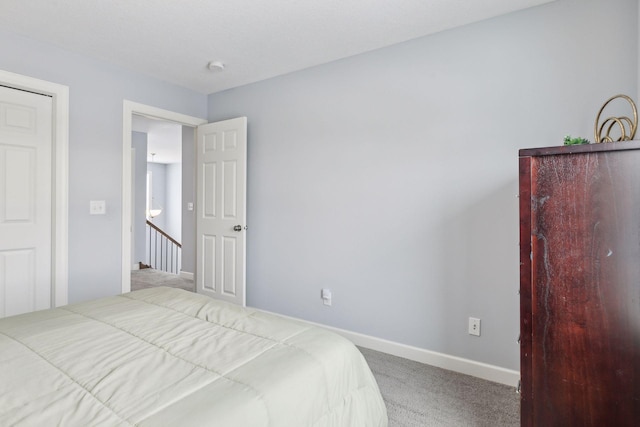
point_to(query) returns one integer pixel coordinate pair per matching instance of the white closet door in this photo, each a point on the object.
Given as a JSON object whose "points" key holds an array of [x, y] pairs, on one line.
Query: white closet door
{"points": [[25, 201]]}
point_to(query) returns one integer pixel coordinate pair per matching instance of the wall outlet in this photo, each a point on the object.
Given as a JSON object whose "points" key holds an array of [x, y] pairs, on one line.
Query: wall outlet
{"points": [[326, 296], [97, 207], [474, 326]]}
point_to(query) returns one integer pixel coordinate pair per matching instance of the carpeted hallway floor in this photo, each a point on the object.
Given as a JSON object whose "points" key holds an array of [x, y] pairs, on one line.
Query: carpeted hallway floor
{"points": [[150, 278]]}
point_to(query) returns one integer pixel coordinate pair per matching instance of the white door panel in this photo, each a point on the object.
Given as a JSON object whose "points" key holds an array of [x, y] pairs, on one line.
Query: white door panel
{"points": [[25, 201], [221, 200]]}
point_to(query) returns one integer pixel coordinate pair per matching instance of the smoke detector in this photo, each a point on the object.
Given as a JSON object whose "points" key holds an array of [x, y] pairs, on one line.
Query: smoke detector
{"points": [[215, 66]]}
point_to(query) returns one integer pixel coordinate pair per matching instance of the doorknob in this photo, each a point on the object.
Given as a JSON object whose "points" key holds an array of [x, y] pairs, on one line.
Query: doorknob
{"points": [[237, 228]]}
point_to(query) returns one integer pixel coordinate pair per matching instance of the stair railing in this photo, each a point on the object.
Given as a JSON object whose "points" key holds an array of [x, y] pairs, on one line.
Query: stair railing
{"points": [[164, 252]]}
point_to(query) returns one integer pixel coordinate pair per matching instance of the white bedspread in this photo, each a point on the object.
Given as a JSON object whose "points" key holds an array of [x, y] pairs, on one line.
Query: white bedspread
{"points": [[167, 357]]}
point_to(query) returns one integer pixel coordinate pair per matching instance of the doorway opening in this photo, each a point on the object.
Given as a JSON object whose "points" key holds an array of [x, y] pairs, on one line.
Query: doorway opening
{"points": [[143, 115], [157, 195]]}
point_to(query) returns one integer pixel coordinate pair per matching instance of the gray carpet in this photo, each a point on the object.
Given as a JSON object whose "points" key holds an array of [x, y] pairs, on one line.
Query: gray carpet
{"points": [[423, 395], [150, 278]]}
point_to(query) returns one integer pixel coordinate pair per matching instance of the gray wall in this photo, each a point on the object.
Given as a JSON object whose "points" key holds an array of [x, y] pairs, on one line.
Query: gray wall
{"points": [[139, 144], [188, 196], [391, 177], [173, 220], [97, 90]]}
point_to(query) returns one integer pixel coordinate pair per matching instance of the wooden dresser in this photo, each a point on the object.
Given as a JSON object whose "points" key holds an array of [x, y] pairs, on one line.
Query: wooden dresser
{"points": [[580, 285]]}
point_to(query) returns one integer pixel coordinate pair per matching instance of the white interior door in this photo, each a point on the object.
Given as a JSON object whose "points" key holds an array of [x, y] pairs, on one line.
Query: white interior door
{"points": [[25, 201], [221, 156]]}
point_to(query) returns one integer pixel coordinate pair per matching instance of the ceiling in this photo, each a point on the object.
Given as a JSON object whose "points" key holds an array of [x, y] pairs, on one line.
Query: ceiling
{"points": [[164, 139], [255, 39]]}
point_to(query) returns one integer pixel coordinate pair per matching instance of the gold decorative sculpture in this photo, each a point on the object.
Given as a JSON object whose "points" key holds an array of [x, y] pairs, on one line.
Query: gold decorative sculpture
{"points": [[622, 123]]}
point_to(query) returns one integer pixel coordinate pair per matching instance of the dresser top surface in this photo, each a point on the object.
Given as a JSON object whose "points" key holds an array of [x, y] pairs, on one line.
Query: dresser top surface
{"points": [[578, 149]]}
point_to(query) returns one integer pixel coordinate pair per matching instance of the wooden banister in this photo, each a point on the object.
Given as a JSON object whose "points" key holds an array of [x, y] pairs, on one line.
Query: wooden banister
{"points": [[164, 251], [164, 234]]}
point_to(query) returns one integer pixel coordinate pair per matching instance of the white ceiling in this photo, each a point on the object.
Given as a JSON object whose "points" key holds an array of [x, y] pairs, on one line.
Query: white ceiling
{"points": [[174, 40], [163, 138]]}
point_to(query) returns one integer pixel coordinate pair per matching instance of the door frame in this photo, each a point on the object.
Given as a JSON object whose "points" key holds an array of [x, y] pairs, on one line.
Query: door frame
{"points": [[129, 109], [60, 174]]}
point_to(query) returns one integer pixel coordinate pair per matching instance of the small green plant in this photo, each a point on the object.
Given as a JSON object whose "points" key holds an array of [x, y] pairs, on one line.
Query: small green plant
{"points": [[575, 141]]}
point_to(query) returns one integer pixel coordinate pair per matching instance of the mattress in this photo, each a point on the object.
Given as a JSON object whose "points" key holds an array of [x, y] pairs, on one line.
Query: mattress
{"points": [[167, 357]]}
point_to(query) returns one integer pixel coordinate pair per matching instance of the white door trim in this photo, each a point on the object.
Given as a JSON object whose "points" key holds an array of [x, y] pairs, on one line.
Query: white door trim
{"points": [[130, 108], [60, 199]]}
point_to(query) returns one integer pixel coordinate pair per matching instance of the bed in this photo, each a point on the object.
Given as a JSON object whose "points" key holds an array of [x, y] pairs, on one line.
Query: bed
{"points": [[168, 357]]}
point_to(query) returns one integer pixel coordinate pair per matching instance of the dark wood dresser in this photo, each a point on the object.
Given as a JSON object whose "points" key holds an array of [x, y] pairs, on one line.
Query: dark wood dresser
{"points": [[580, 285]]}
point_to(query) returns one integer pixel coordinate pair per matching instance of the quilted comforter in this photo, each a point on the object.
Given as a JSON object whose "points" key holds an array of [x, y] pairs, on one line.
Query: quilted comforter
{"points": [[167, 357]]}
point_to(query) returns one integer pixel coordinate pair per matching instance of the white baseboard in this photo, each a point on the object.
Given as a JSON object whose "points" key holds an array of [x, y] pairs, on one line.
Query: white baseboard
{"points": [[135, 267], [433, 358], [186, 275], [428, 357]]}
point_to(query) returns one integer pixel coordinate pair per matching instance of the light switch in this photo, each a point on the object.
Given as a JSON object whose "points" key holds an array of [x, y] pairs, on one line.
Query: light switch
{"points": [[190, 206], [97, 207]]}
